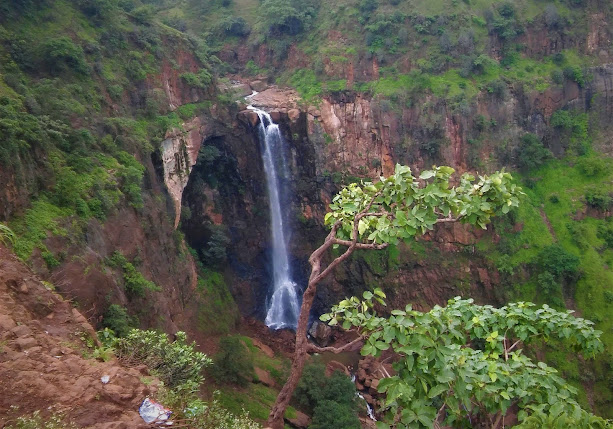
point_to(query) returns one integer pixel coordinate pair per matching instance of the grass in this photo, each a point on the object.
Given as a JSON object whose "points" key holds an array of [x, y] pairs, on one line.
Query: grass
{"points": [[565, 180], [39, 222]]}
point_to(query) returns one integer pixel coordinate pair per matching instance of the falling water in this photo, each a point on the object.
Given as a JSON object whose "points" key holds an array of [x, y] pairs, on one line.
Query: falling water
{"points": [[284, 304]]}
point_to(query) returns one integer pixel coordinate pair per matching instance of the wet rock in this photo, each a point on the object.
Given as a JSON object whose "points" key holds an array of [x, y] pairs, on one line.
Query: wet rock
{"points": [[321, 333], [275, 115]]}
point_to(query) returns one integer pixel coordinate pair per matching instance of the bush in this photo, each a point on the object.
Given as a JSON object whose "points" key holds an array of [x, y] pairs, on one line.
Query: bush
{"points": [[331, 414], [605, 232], [593, 166], [207, 415], [215, 253], [176, 363], [235, 26], [575, 73], [498, 88], [560, 263], [531, 153], [7, 236], [61, 55], [598, 197], [118, 320], [201, 80], [286, 17], [315, 387], [233, 363], [135, 283], [557, 77]]}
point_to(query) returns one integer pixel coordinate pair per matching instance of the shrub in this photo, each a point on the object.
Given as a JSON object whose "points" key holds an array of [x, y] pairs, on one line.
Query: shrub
{"points": [[135, 283], [118, 320], [207, 415], [598, 197], [575, 73], [557, 77], [201, 80], [605, 232], [176, 363], [61, 54], [286, 17], [531, 153], [560, 263], [331, 414], [215, 253], [498, 88], [593, 166], [235, 26], [233, 363], [314, 387], [552, 17]]}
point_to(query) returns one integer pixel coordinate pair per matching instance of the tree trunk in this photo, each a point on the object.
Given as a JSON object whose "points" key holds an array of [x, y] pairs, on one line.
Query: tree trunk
{"points": [[275, 418]]}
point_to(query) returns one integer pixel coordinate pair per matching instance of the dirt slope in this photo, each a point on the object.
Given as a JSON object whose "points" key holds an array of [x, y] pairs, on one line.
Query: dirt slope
{"points": [[41, 362]]}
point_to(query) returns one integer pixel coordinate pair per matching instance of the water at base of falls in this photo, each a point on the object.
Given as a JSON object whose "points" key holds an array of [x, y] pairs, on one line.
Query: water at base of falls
{"points": [[283, 307]]}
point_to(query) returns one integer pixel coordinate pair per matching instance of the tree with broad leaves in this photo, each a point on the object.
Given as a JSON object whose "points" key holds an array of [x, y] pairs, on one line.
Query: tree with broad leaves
{"points": [[463, 364], [375, 215]]}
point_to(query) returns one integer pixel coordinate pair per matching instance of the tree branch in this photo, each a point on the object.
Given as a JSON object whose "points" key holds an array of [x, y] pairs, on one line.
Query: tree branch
{"points": [[312, 348]]}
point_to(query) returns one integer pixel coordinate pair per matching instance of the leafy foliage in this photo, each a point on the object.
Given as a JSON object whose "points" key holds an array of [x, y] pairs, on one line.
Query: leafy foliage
{"points": [[400, 206], [233, 363], [463, 360], [7, 236], [117, 319], [62, 55], [176, 363], [136, 284], [205, 415], [287, 17], [531, 153], [331, 400]]}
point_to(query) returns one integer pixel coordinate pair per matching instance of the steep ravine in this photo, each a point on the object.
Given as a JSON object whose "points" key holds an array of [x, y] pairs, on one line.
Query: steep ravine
{"points": [[347, 135]]}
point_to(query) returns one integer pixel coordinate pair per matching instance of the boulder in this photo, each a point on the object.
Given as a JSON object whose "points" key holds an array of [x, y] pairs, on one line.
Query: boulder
{"points": [[336, 366], [321, 333], [264, 377], [241, 89], [258, 85], [293, 114]]}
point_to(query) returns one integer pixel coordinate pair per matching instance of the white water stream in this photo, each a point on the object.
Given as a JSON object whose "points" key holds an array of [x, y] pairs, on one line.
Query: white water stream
{"points": [[283, 306]]}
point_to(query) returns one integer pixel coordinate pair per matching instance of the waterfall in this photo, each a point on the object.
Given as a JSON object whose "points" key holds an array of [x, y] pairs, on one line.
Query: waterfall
{"points": [[283, 306]]}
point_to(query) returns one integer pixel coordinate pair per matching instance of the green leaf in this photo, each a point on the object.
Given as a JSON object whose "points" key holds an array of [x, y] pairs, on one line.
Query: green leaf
{"points": [[437, 390]]}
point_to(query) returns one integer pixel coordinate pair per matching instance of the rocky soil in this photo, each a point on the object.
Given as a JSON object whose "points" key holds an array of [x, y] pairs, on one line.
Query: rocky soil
{"points": [[42, 347]]}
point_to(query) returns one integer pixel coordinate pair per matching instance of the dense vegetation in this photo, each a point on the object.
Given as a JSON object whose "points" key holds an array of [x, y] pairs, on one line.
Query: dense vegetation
{"points": [[461, 364]]}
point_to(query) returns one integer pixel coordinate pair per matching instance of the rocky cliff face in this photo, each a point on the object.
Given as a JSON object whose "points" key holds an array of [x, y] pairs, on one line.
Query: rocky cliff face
{"points": [[349, 135]]}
